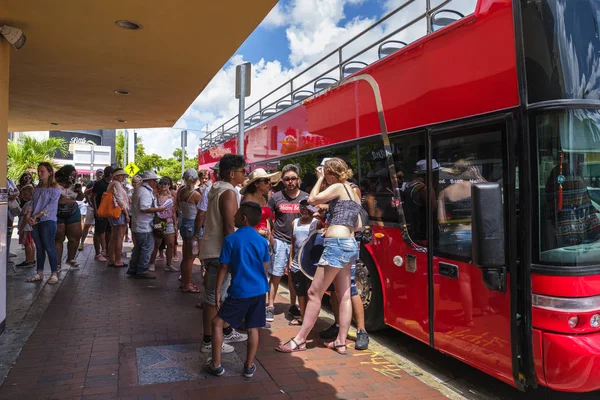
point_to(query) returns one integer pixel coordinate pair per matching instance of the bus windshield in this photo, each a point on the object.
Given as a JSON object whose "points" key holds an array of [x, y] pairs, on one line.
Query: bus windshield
{"points": [[569, 187]]}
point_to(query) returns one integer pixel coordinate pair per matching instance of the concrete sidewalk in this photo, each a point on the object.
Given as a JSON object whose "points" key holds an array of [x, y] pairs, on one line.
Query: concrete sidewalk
{"points": [[106, 336]]}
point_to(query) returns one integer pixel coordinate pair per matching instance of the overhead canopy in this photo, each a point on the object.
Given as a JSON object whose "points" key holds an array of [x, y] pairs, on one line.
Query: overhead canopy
{"points": [[76, 57]]}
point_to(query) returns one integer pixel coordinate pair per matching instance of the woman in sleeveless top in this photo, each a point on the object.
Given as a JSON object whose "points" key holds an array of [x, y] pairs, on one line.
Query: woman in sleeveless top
{"points": [[257, 190], [188, 200], [340, 251], [41, 216], [68, 222], [169, 214]]}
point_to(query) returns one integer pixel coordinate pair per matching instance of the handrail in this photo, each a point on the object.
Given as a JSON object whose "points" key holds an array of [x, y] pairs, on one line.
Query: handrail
{"points": [[223, 132]]}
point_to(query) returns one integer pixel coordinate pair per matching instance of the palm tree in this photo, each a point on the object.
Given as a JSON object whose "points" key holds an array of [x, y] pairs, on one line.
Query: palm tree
{"points": [[26, 153]]}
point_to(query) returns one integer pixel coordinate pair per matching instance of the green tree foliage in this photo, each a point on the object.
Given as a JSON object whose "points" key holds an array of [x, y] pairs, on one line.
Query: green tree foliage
{"points": [[26, 153], [119, 147], [172, 167]]}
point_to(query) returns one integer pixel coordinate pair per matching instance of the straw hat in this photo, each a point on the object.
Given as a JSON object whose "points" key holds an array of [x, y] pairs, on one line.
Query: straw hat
{"points": [[120, 171], [257, 174]]}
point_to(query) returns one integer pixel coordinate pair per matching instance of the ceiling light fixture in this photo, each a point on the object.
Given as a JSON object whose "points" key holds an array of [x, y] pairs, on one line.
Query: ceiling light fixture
{"points": [[122, 92], [125, 24], [14, 36], [121, 121]]}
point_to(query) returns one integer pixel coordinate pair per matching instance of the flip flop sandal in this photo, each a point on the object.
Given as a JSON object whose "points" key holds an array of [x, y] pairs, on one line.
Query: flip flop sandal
{"points": [[338, 348], [295, 322], [282, 349], [35, 278], [193, 289], [73, 264], [53, 280]]}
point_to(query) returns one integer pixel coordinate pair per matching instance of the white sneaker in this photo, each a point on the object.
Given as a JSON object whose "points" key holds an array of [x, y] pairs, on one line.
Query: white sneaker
{"points": [[235, 337], [207, 348], [151, 268], [170, 268], [11, 254]]}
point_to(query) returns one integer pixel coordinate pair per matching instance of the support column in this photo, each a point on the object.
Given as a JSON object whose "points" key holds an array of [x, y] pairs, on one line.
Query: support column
{"points": [[4, 79]]}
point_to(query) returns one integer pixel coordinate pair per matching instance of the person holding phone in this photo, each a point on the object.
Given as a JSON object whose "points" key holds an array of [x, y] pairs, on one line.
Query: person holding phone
{"points": [[339, 253]]}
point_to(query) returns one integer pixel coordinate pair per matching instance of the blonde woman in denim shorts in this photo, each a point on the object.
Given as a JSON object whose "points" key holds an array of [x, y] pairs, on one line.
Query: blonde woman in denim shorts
{"points": [[339, 253]]}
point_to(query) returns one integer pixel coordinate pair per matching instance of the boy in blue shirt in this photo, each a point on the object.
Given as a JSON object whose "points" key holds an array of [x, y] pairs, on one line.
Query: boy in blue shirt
{"points": [[245, 254]]}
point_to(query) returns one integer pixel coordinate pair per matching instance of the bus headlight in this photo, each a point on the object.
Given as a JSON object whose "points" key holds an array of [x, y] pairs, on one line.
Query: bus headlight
{"points": [[595, 321]]}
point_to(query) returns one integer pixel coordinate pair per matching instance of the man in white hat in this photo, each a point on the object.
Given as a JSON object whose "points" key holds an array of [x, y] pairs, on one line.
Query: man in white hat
{"points": [[144, 207]]}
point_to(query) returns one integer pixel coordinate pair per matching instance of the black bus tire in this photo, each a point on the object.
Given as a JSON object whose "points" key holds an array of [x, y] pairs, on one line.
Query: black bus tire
{"points": [[368, 284]]}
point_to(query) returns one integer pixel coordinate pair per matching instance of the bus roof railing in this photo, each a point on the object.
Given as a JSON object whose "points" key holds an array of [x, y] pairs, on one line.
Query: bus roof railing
{"points": [[344, 68]]}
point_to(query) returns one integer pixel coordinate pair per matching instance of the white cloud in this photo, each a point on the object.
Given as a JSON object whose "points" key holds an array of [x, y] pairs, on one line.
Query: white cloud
{"points": [[276, 18], [313, 28]]}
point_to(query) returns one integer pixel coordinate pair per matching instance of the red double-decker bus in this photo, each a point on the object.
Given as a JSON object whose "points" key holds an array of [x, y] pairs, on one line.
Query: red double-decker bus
{"points": [[477, 151]]}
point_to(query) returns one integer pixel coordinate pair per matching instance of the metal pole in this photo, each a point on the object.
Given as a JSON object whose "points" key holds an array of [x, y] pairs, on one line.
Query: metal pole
{"points": [[241, 113], [340, 63], [428, 16], [183, 145], [92, 162]]}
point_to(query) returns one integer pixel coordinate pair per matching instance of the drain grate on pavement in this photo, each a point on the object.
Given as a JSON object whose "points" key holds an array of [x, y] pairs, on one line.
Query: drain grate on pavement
{"points": [[179, 362]]}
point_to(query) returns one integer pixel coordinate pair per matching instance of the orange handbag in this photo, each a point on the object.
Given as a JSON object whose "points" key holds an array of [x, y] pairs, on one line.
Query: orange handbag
{"points": [[107, 208]]}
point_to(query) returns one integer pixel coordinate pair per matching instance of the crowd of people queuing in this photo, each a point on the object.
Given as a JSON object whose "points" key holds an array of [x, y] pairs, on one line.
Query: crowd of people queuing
{"points": [[246, 235]]}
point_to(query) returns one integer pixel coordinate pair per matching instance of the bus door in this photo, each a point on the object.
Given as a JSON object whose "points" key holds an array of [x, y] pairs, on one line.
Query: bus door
{"points": [[471, 304]]}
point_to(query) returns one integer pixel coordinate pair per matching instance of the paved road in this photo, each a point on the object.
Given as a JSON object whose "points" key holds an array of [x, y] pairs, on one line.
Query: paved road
{"points": [[468, 381]]}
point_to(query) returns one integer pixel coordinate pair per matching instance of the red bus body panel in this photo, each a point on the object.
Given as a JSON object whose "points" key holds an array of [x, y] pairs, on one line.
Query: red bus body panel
{"points": [[571, 362]]}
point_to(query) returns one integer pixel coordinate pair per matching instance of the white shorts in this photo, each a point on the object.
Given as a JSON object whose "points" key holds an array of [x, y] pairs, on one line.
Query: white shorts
{"points": [[89, 216]]}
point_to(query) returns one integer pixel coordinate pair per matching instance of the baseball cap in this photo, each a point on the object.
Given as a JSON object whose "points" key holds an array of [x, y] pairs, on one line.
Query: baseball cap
{"points": [[215, 167], [190, 175]]}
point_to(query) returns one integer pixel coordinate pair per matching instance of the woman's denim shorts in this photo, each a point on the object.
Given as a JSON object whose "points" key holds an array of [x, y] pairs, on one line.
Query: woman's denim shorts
{"points": [[339, 252], [186, 229], [170, 229], [117, 222]]}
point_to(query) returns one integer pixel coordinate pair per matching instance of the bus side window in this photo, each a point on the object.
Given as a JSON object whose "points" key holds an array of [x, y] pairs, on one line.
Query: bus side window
{"points": [[377, 185], [464, 160]]}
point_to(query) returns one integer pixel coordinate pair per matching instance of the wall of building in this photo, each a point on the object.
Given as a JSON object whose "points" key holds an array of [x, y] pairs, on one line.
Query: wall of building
{"points": [[4, 79]]}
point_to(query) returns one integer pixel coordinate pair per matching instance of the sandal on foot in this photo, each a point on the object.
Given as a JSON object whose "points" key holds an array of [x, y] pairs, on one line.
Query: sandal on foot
{"points": [[35, 278], [53, 280], [295, 322], [338, 348], [192, 289], [73, 264], [80, 248], [282, 349]]}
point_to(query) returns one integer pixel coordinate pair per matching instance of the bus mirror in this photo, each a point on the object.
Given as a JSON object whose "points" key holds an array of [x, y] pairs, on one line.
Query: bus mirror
{"points": [[487, 222]]}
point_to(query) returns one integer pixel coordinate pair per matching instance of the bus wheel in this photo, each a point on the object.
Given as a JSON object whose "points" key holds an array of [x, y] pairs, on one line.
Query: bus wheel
{"points": [[369, 290]]}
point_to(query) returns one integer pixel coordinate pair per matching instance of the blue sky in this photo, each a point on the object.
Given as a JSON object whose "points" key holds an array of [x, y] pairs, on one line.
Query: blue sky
{"points": [[254, 48], [295, 34]]}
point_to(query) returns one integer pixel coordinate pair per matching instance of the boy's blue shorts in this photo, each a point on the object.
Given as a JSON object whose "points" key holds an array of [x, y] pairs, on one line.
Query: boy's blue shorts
{"points": [[251, 309]]}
